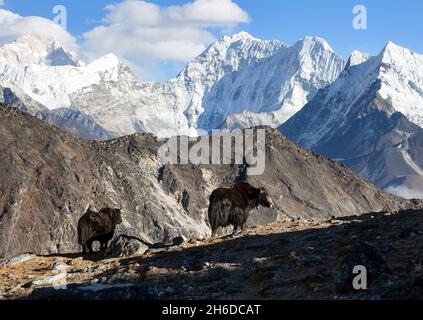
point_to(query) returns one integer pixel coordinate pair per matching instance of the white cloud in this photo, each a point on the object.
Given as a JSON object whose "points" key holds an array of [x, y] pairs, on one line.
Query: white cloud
{"points": [[405, 192], [155, 41], [13, 25], [209, 12], [147, 35]]}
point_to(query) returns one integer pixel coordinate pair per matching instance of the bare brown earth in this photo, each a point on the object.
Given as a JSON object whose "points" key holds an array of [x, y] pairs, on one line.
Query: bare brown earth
{"points": [[293, 259]]}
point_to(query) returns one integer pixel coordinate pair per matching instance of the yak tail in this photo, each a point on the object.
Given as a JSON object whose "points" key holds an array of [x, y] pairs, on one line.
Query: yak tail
{"points": [[83, 233], [80, 237], [218, 213]]}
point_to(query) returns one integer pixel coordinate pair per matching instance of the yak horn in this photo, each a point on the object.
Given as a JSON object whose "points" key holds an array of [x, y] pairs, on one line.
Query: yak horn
{"points": [[87, 207]]}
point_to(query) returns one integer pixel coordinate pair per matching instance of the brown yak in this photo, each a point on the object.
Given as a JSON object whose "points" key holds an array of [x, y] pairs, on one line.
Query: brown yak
{"points": [[232, 206]]}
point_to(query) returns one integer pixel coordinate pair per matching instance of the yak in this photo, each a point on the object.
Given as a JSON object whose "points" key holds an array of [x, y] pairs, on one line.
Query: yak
{"points": [[97, 226], [233, 206]]}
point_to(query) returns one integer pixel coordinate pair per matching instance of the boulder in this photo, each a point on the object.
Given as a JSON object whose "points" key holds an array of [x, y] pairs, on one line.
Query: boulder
{"points": [[125, 246]]}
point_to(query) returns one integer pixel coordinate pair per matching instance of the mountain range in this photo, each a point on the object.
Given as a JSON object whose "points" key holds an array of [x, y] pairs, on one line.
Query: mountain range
{"points": [[371, 119], [366, 112], [227, 85]]}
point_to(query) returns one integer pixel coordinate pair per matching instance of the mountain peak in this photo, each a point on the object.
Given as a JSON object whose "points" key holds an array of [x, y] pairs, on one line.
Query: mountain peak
{"points": [[35, 40], [33, 49], [357, 58], [392, 46], [111, 57], [393, 53], [106, 61], [239, 36], [314, 41]]}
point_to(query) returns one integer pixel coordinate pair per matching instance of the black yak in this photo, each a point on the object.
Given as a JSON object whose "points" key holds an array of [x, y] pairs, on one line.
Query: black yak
{"points": [[97, 226], [232, 206]]}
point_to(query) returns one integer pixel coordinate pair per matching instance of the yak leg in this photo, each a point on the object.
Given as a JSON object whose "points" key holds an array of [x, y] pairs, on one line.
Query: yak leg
{"points": [[236, 231], [107, 238], [236, 219], [85, 248], [90, 245], [104, 245], [242, 224]]}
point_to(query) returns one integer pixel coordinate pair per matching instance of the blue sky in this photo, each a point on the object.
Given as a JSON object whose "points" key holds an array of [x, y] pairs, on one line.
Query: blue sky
{"points": [[398, 21]]}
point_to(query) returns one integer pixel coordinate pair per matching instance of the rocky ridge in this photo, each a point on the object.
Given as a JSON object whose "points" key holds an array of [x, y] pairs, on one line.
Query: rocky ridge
{"points": [[48, 177]]}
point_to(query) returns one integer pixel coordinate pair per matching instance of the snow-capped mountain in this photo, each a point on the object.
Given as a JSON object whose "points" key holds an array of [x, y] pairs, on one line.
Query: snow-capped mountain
{"points": [[53, 86], [48, 75], [237, 80], [367, 112], [15, 97], [370, 118], [69, 119], [402, 81], [32, 49], [255, 81]]}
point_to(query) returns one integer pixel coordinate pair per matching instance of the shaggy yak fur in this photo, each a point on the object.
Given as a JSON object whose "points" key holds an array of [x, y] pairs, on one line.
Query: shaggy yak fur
{"points": [[97, 226], [232, 206]]}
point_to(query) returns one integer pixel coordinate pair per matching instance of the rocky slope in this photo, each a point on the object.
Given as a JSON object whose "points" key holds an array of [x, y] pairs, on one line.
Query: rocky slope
{"points": [[48, 177], [293, 259], [370, 119]]}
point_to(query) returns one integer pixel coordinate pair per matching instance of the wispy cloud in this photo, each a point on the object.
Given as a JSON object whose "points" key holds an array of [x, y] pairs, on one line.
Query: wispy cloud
{"points": [[405, 192], [13, 25], [147, 35], [152, 39]]}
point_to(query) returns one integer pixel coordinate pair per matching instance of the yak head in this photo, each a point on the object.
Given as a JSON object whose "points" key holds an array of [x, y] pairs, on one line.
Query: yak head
{"points": [[115, 215], [262, 198]]}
